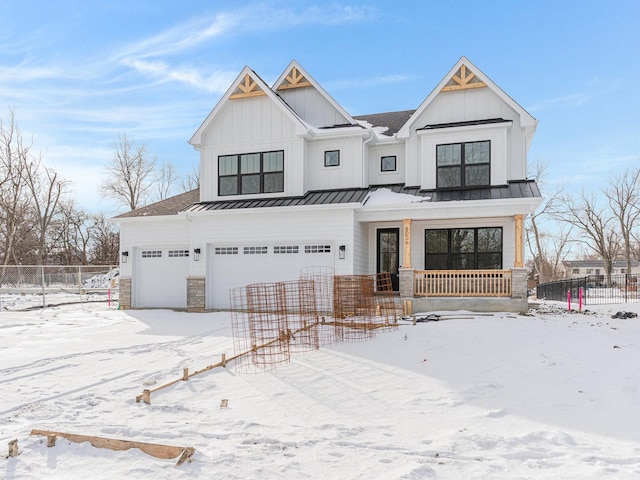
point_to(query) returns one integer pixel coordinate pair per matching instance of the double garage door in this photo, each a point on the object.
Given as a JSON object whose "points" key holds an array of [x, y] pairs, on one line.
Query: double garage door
{"points": [[232, 266], [160, 278]]}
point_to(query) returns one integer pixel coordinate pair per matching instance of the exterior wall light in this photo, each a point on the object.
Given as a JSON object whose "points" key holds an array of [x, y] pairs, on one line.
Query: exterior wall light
{"points": [[342, 251], [196, 254], [124, 257]]}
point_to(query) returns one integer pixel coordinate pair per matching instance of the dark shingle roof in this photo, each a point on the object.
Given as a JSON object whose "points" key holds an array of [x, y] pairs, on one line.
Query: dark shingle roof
{"points": [[392, 120], [170, 206]]}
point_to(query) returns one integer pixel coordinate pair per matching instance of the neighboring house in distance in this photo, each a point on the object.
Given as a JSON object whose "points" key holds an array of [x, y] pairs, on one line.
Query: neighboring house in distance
{"points": [[289, 179], [583, 268]]}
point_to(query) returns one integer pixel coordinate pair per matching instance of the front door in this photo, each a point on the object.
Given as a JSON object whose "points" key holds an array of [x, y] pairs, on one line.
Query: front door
{"points": [[389, 253]]}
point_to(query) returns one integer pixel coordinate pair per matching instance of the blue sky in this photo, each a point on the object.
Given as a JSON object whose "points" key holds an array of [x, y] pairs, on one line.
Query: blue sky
{"points": [[78, 73]]}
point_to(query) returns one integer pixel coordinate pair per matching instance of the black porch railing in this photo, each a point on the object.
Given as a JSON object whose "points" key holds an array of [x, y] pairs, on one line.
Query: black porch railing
{"points": [[596, 289]]}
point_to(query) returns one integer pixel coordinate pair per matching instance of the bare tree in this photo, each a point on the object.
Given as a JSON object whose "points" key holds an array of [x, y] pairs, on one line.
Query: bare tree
{"points": [[129, 174], [623, 193], [74, 231], [14, 200], [191, 180], [547, 242], [596, 224], [165, 179], [105, 241], [46, 191]]}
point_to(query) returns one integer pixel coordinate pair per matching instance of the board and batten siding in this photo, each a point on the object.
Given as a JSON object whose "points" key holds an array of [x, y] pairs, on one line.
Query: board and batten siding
{"points": [[463, 106], [248, 126], [376, 175], [497, 135], [349, 174], [312, 107]]}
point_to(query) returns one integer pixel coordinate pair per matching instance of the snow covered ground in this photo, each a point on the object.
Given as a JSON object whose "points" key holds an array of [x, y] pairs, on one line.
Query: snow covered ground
{"points": [[500, 396]]}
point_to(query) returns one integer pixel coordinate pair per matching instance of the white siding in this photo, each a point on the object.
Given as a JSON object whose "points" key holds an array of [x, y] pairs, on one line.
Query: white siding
{"points": [[378, 177], [498, 136], [349, 174], [247, 126], [162, 231], [312, 107], [462, 106]]}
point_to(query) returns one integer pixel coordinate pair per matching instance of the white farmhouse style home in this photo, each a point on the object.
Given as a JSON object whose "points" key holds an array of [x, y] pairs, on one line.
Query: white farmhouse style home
{"points": [[289, 179]]}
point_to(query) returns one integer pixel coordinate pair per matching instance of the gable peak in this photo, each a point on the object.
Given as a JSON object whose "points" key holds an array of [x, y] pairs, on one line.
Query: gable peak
{"points": [[463, 79], [248, 87], [294, 79]]}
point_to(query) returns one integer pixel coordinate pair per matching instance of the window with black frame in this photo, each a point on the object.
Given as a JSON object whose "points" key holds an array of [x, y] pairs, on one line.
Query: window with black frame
{"points": [[251, 173], [463, 249], [461, 165]]}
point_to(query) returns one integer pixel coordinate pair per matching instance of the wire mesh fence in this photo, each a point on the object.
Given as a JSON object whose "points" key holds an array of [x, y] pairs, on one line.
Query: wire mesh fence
{"points": [[37, 286], [272, 321], [596, 289], [23, 277]]}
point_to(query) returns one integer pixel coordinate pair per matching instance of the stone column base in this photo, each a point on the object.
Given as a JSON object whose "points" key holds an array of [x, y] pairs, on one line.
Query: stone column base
{"points": [[195, 294], [124, 288], [406, 277]]}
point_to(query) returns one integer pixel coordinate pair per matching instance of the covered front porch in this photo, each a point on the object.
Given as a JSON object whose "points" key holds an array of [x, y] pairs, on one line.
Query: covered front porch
{"points": [[476, 290]]}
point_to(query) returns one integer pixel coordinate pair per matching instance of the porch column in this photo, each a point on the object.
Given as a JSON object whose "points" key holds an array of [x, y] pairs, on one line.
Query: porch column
{"points": [[406, 236], [519, 260], [406, 272]]}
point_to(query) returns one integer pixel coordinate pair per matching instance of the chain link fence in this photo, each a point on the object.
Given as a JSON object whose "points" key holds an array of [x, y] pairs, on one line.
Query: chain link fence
{"points": [[596, 289], [58, 283]]}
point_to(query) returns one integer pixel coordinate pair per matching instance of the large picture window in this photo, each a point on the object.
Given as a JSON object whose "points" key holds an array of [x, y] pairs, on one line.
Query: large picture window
{"points": [[463, 249], [249, 173], [462, 165]]}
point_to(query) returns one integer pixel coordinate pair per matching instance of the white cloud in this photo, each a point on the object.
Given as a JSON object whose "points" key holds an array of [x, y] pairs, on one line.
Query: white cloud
{"points": [[150, 56], [216, 82]]}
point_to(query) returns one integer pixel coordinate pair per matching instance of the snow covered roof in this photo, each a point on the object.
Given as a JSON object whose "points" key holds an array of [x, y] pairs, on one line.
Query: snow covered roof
{"points": [[389, 194], [392, 121]]}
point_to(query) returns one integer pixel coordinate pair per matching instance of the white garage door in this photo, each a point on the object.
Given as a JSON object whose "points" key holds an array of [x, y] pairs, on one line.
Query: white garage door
{"points": [[232, 266], [161, 277]]}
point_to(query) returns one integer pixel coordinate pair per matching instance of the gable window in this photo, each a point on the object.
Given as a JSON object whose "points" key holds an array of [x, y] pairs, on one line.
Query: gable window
{"points": [[332, 158], [462, 165], [249, 173], [388, 163], [463, 249]]}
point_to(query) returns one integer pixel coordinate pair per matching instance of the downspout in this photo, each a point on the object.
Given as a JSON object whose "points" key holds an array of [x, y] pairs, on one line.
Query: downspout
{"points": [[365, 160]]}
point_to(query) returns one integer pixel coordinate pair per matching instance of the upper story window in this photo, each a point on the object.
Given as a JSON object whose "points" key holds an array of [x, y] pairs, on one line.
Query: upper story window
{"points": [[462, 165], [332, 158], [249, 173], [388, 163], [576, 271]]}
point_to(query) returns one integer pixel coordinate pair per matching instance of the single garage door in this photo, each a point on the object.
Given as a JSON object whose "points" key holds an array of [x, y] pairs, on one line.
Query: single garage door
{"points": [[161, 277], [232, 266]]}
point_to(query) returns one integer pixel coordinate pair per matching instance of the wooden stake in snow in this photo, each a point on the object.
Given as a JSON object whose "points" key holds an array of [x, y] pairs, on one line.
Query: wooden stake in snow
{"points": [[13, 448], [154, 449]]}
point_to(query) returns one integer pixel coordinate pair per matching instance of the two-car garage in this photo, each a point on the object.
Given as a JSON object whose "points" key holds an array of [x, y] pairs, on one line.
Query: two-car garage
{"points": [[236, 265]]}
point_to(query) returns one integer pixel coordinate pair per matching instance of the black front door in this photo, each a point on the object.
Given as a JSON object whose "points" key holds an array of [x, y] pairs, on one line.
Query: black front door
{"points": [[389, 253]]}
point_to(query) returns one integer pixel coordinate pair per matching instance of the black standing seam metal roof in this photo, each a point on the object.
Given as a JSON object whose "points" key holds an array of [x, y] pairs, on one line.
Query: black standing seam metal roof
{"points": [[515, 189]]}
